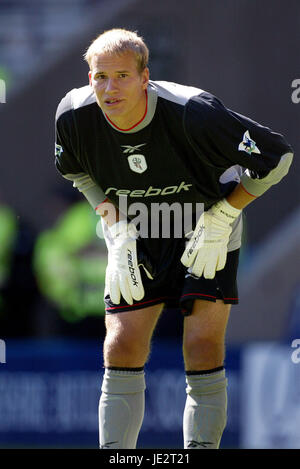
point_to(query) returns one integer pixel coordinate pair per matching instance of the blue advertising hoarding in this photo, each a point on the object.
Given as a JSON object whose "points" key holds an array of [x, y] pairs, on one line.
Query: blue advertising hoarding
{"points": [[50, 392]]}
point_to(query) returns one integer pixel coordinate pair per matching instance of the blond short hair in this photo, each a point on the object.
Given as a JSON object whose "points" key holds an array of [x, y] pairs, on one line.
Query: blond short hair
{"points": [[119, 41]]}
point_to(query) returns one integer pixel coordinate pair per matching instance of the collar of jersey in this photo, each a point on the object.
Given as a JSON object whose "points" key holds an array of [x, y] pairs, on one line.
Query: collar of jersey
{"points": [[146, 119]]}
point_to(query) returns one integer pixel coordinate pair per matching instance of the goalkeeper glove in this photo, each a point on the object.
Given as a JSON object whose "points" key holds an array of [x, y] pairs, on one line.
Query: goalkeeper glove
{"points": [[206, 252], [123, 277]]}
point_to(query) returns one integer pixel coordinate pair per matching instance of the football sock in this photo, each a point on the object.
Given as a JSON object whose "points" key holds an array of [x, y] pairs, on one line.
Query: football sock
{"points": [[121, 407], [205, 411]]}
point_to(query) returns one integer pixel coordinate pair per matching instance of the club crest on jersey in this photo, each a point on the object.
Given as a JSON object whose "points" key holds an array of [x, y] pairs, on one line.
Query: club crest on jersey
{"points": [[137, 163], [248, 145]]}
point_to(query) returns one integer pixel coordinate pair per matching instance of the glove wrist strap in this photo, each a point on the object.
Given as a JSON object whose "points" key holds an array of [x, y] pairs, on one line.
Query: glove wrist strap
{"points": [[226, 211], [122, 227]]}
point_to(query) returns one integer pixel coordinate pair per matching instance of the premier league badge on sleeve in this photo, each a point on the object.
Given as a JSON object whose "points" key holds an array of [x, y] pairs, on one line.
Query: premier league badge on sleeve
{"points": [[248, 145], [58, 150]]}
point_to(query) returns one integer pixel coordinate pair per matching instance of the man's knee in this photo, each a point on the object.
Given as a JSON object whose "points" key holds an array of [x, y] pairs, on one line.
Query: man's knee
{"points": [[197, 345], [197, 341], [204, 335], [128, 336], [125, 350]]}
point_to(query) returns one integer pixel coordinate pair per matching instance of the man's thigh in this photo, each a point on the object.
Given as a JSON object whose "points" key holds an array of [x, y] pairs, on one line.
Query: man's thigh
{"points": [[208, 318]]}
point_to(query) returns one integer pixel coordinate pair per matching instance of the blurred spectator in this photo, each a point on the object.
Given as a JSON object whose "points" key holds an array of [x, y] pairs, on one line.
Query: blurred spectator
{"points": [[68, 264]]}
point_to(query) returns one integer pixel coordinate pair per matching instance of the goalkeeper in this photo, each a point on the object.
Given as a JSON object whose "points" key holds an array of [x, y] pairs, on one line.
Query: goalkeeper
{"points": [[124, 135]]}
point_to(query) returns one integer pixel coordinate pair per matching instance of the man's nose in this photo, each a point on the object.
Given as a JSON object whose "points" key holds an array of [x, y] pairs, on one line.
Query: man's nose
{"points": [[111, 85]]}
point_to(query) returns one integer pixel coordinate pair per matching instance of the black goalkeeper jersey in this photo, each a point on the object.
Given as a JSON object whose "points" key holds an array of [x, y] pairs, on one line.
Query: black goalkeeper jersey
{"points": [[178, 153]]}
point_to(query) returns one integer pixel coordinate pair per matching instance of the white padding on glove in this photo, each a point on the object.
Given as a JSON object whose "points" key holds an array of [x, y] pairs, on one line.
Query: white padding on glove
{"points": [[123, 276], [206, 252]]}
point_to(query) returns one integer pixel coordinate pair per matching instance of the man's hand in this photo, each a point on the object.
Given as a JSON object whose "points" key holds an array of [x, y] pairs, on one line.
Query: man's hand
{"points": [[206, 252], [123, 277]]}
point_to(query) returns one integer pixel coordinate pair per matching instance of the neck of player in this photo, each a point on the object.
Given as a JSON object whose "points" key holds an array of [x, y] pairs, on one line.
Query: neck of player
{"points": [[133, 117]]}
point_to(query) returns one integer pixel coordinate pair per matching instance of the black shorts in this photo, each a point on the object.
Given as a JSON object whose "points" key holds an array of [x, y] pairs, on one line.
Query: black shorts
{"points": [[176, 288]]}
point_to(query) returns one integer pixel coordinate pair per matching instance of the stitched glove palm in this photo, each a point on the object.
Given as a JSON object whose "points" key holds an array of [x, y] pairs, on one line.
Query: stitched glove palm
{"points": [[123, 277], [206, 252]]}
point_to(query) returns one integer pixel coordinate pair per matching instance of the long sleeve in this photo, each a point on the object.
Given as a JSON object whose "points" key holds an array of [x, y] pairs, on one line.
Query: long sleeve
{"points": [[223, 138]]}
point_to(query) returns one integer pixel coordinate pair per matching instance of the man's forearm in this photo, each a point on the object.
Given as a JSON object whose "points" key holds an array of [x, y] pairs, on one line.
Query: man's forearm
{"points": [[239, 197], [109, 212]]}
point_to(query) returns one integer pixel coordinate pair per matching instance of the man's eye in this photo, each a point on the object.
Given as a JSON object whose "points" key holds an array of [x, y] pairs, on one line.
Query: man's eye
{"points": [[123, 75]]}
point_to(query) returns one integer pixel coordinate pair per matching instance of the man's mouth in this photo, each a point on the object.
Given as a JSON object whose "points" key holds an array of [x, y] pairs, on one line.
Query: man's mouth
{"points": [[112, 101]]}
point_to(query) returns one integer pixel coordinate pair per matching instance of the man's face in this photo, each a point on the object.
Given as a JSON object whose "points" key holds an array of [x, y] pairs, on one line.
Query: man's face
{"points": [[119, 87]]}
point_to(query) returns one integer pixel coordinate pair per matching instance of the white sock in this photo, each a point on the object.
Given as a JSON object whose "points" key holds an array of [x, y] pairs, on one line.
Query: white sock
{"points": [[121, 408], [205, 411]]}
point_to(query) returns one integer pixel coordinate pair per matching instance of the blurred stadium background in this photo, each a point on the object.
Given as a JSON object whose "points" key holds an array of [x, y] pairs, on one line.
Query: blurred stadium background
{"points": [[52, 266]]}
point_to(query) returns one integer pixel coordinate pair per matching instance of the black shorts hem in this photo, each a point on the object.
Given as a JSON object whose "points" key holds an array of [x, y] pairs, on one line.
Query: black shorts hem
{"points": [[202, 296], [112, 309], [187, 301]]}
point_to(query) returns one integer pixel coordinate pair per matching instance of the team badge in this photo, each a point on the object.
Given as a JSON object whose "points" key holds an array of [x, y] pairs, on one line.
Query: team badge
{"points": [[137, 163], [248, 145]]}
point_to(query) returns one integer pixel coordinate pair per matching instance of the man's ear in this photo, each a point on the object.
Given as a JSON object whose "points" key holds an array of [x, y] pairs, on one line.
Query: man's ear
{"points": [[145, 75], [90, 78]]}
